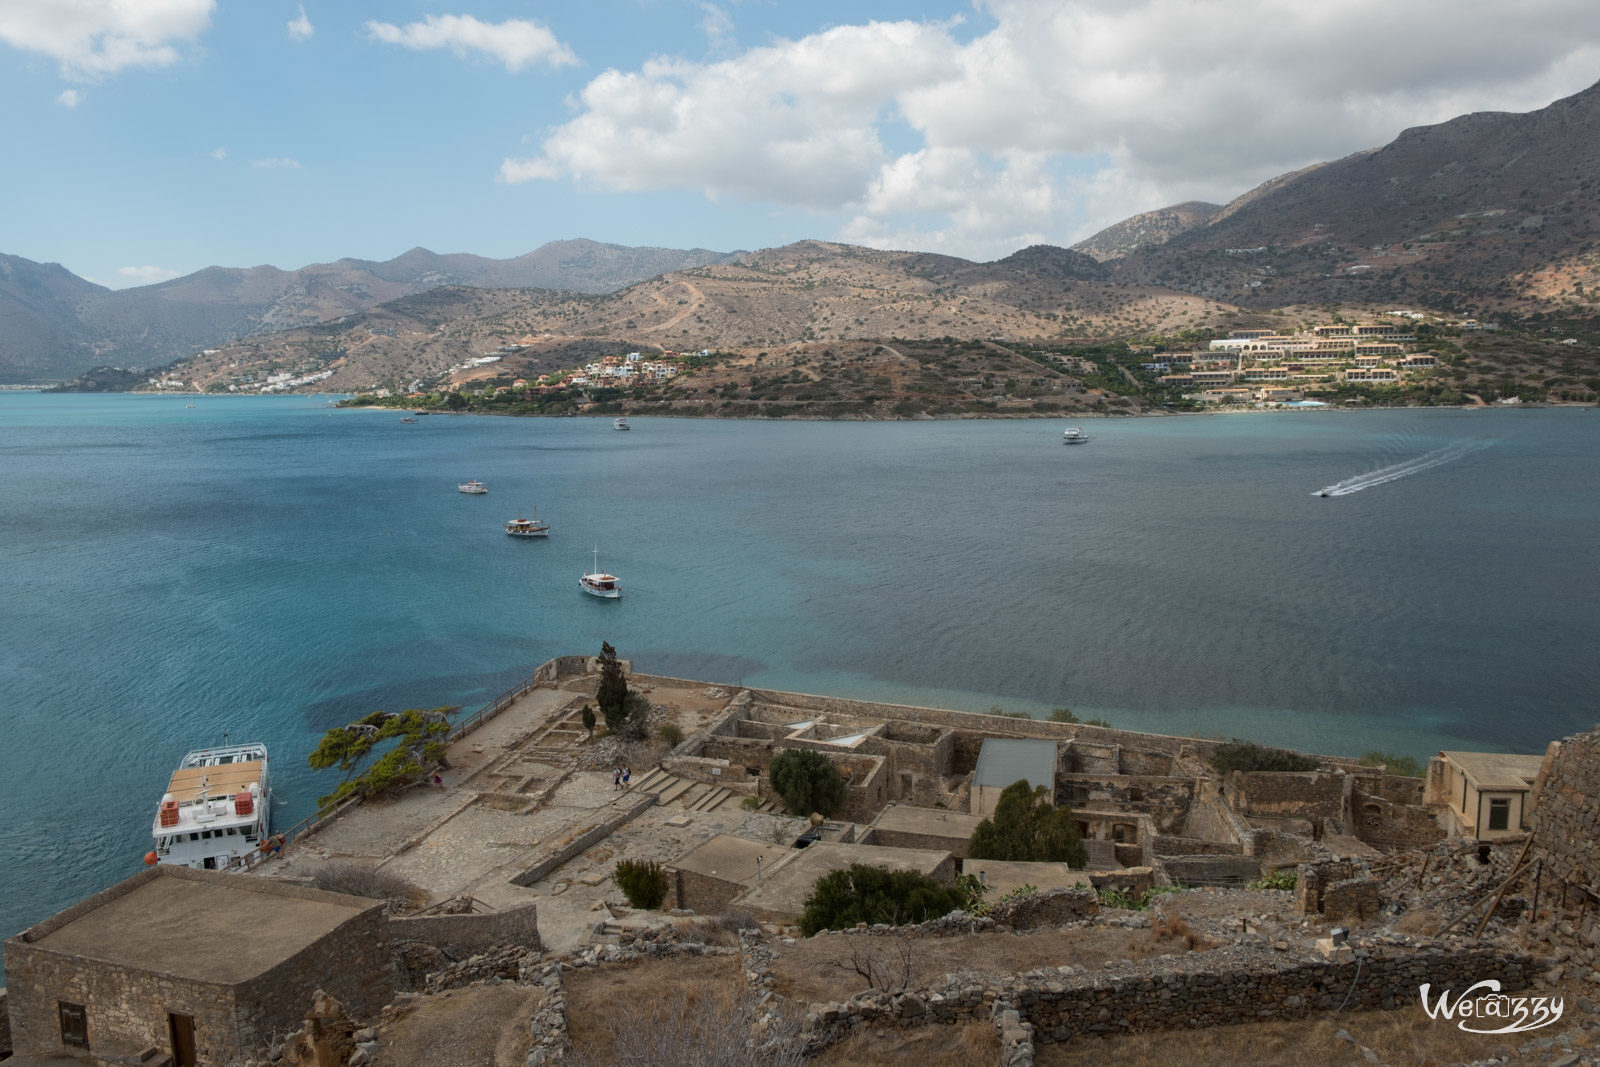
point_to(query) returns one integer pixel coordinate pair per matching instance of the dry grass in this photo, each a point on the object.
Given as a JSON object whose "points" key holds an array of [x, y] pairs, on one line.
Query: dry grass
{"points": [[1404, 1038], [928, 1046], [480, 1026], [647, 996]]}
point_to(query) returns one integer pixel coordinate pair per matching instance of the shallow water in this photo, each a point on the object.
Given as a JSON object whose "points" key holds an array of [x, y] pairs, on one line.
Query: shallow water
{"points": [[268, 568]]}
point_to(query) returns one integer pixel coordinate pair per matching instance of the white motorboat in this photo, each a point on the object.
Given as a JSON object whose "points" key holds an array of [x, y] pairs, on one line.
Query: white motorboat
{"points": [[217, 808], [1072, 435], [620, 423], [598, 583], [521, 527], [474, 487]]}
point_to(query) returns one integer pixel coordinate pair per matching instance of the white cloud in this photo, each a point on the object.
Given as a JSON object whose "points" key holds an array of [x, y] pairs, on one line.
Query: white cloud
{"points": [[145, 275], [1058, 117], [275, 163], [93, 38], [219, 153], [516, 43], [300, 28], [69, 98]]}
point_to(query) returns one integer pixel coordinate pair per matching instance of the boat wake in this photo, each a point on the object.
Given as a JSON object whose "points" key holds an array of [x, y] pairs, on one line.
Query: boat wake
{"points": [[1395, 471]]}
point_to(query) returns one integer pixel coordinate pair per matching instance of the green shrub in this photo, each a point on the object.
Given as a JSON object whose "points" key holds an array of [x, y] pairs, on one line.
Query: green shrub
{"points": [[1239, 755], [671, 733], [1279, 879], [1026, 827], [807, 781], [1063, 715], [643, 882], [1404, 766], [874, 895]]}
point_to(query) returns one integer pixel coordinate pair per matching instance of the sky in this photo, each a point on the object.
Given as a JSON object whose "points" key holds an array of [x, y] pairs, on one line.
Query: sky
{"points": [[141, 140]]}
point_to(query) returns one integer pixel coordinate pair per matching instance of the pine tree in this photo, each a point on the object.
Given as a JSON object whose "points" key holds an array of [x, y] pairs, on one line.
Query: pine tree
{"points": [[613, 693]]}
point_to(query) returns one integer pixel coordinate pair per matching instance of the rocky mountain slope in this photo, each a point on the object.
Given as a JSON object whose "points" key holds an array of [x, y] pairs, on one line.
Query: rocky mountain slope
{"points": [[54, 324]]}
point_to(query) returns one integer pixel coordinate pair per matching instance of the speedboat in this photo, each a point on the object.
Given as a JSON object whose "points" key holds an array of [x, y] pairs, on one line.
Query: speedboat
{"points": [[521, 527], [475, 487], [216, 810], [598, 583], [408, 418], [1073, 436], [620, 423]]}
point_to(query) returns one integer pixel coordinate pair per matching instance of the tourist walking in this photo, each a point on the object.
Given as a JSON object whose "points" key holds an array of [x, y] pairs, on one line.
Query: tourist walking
{"points": [[616, 778]]}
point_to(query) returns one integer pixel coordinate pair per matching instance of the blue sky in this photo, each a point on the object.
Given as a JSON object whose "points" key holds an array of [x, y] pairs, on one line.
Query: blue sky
{"points": [[145, 139]]}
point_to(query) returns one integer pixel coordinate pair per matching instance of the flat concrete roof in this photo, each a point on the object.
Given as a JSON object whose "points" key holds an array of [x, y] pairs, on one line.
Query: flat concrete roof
{"points": [[731, 858], [206, 926], [1003, 876], [929, 822], [1497, 770], [784, 892], [1005, 760]]}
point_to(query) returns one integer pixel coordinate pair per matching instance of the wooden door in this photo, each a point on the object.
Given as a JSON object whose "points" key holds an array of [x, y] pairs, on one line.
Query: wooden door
{"points": [[182, 1029]]}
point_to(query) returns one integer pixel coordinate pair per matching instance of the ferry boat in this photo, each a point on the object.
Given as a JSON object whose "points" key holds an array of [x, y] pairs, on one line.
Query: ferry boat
{"points": [[1072, 435], [216, 810], [475, 487], [521, 527], [598, 583], [620, 423]]}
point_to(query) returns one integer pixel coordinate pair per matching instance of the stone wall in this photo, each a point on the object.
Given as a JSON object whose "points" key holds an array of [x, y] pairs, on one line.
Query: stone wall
{"points": [[1165, 800], [5, 1026], [1315, 795], [704, 894], [555, 857], [1392, 812], [473, 932], [702, 768], [127, 1007], [1212, 870], [1566, 813], [1219, 988], [354, 964]]}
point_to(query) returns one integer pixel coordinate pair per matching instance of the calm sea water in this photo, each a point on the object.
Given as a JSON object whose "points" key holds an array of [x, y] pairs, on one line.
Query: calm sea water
{"points": [[268, 568]]}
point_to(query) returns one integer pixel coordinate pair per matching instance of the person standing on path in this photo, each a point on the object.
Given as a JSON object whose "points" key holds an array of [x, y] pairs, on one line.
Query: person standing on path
{"points": [[626, 774], [616, 778]]}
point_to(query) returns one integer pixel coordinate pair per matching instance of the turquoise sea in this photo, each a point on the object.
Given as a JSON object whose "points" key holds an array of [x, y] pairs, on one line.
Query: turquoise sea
{"points": [[270, 567]]}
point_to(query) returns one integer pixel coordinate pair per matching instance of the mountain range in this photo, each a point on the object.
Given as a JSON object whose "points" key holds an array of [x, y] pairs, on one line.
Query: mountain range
{"points": [[1488, 214]]}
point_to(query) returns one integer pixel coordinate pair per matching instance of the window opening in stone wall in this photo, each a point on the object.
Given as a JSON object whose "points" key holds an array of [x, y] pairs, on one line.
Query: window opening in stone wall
{"points": [[74, 1024]]}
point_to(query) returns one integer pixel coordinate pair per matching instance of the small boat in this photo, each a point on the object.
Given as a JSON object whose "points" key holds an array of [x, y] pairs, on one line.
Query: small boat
{"points": [[216, 810], [521, 527], [408, 418], [1073, 436], [598, 583], [620, 423], [1324, 492], [475, 487]]}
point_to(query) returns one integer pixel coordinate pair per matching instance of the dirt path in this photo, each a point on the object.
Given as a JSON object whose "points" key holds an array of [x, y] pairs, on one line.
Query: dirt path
{"points": [[696, 299]]}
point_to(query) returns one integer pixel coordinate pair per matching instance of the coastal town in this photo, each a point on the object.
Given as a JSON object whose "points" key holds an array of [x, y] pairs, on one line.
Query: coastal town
{"points": [[479, 906]]}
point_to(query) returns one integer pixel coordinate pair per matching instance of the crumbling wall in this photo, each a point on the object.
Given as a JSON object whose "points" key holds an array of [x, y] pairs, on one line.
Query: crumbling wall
{"points": [[472, 932], [1336, 890], [1566, 813], [1165, 800], [1392, 812], [1315, 795]]}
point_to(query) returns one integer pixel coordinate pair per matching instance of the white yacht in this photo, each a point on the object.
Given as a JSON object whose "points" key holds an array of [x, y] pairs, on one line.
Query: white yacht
{"points": [[474, 487], [1072, 435], [598, 583], [216, 810], [620, 423], [521, 527]]}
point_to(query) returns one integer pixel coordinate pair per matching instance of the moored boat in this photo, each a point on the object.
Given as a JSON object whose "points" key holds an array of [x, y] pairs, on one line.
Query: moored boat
{"points": [[620, 423], [474, 487], [598, 583], [534, 527], [217, 809], [1073, 435]]}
